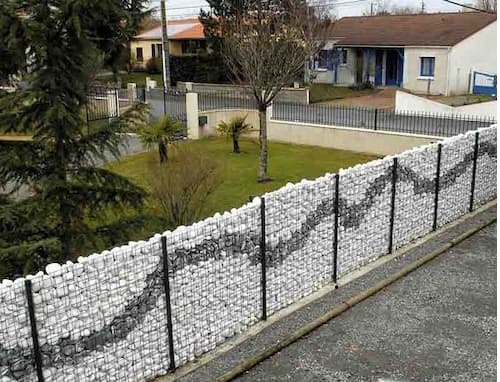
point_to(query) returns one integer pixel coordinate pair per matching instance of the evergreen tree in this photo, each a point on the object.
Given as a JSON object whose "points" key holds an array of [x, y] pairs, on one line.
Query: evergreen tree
{"points": [[68, 192]]}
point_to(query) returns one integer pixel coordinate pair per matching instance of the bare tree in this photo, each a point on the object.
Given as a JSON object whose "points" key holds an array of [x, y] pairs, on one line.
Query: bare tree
{"points": [[487, 5], [267, 48], [405, 10], [386, 7]]}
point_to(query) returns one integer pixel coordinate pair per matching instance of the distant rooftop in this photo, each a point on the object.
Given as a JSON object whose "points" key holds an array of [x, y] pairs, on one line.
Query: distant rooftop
{"points": [[188, 29], [424, 29]]}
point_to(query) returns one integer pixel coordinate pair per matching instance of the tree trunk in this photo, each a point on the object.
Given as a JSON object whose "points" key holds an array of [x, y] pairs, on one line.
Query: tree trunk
{"points": [[60, 172], [263, 145], [236, 145], [162, 150]]}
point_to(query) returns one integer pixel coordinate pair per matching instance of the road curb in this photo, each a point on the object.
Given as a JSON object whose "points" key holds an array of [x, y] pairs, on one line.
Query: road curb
{"points": [[251, 362]]}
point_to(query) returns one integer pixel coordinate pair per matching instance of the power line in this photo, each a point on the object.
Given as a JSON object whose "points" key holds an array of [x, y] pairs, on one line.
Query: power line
{"points": [[470, 7], [319, 5]]}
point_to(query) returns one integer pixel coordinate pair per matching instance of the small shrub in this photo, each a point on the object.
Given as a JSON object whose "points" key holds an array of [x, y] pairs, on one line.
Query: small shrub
{"points": [[235, 128], [182, 187], [154, 65]]}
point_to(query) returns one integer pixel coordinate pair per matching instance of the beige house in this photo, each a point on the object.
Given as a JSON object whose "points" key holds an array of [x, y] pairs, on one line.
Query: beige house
{"points": [[435, 53], [186, 37]]}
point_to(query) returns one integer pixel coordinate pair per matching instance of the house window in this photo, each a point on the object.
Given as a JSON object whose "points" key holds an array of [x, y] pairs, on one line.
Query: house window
{"points": [[193, 46], [139, 55], [344, 57], [156, 50], [427, 66]]}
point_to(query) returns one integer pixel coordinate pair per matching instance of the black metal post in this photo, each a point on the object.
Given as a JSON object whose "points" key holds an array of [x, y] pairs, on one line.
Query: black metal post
{"points": [[166, 283], [263, 256], [474, 168], [336, 228], [393, 201], [117, 102], [34, 331], [376, 118], [436, 188]]}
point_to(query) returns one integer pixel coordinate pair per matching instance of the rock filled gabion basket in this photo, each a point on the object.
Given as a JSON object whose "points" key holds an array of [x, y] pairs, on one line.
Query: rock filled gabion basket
{"points": [[106, 317]]}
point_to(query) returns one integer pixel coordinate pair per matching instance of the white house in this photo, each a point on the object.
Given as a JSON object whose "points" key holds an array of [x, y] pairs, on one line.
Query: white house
{"points": [[434, 52]]}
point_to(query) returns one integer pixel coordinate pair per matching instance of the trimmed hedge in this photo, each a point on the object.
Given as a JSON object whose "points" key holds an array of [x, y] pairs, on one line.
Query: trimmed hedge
{"points": [[196, 68]]}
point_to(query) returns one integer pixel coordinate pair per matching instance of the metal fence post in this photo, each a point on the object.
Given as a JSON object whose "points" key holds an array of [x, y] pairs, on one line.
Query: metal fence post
{"points": [[393, 201], [117, 100], [263, 256], [436, 186], [166, 283], [34, 330], [474, 169], [336, 229], [376, 118]]}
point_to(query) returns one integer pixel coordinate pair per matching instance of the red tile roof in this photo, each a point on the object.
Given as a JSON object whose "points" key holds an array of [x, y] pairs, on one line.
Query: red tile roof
{"points": [[187, 29], [431, 29]]}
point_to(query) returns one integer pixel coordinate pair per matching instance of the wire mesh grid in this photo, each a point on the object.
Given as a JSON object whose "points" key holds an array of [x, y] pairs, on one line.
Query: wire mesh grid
{"points": [[17, 361], [457, 158], [415, 194], [215, 281], [364, 214], [104, 319], [486, 173], [299, 237]]}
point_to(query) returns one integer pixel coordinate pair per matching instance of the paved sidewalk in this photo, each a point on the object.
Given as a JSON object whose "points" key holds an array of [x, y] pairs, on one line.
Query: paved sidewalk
{"points": [[437, 324]]}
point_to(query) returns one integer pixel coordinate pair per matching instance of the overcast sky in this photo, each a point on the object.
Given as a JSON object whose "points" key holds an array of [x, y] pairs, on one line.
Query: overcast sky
{"points": [[187, 8]]}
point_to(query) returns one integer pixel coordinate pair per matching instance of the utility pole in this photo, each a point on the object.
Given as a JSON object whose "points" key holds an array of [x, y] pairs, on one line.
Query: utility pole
{"points": [[423, 7], [371, 8], [165, 44]]}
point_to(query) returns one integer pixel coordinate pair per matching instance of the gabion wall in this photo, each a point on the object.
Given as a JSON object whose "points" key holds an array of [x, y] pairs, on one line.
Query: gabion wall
{"points": [[105, 317]]}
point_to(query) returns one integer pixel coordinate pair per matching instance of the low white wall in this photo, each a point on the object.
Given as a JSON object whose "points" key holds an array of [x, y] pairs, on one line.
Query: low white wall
{"points": [[406, 102], [482, 109], [335, 137], [345, 138]]}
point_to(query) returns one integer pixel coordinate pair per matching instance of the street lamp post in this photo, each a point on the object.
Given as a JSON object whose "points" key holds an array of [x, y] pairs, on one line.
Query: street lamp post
{"points": [[165, 54]]}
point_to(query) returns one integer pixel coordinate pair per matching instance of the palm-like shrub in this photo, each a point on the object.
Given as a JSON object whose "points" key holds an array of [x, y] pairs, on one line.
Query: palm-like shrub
{"points": [[236, 127], [160, 134]]}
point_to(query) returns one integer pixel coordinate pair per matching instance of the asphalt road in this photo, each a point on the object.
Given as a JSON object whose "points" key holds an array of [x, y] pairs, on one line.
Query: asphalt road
{"points": [[385, 120], [130, 145], [437, 324]]}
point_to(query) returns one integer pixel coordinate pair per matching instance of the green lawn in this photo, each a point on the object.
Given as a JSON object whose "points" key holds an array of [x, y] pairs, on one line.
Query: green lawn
{"points": [[287, 163], [327, 92]]}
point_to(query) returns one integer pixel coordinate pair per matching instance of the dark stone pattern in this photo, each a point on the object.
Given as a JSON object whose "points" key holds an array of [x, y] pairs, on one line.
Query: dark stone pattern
{"points": [[68, 351]]}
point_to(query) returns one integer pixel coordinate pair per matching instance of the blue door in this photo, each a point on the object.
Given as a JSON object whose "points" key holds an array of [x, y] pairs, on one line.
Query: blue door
{"points": [[379, 58]]}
